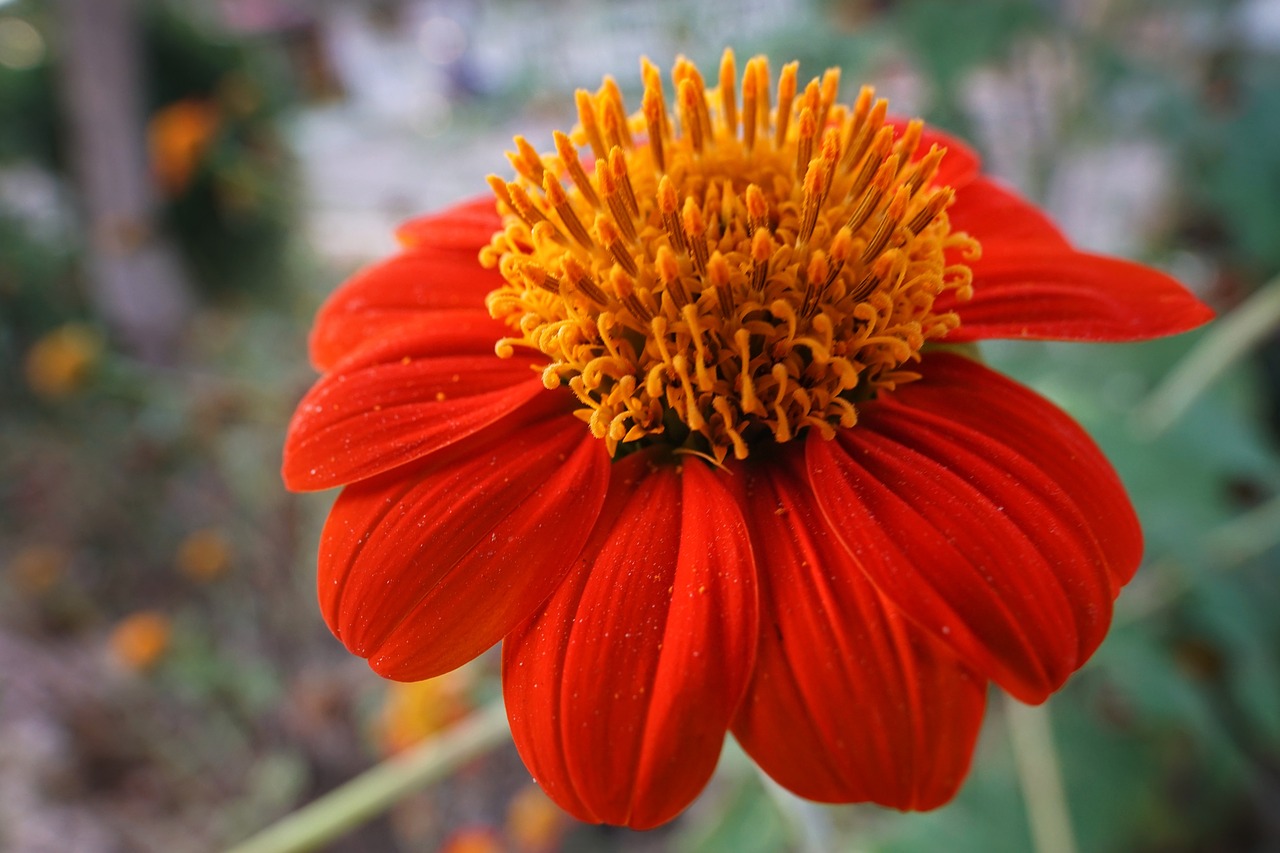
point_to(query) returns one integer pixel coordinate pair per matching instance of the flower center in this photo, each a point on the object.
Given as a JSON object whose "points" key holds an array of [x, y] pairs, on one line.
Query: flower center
{"points": [[731, 274]]}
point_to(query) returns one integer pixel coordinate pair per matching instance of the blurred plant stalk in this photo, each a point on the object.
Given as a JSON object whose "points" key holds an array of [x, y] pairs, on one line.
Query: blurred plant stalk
{"points": [[135, 282], [375, 790], [1040, 776], [1225, 344]]}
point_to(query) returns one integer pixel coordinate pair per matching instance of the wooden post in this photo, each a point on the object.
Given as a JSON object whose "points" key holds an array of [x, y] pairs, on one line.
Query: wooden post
{"points": [[135, 280]]}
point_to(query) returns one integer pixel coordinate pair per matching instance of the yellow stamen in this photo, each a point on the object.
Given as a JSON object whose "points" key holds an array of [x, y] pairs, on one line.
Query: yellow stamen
{"points": [[786, 93], [737, 276], [691, 106], [573, 165], [695, 227], [590, 127], [556, 196], [750, 104], [653, 111], [614, 117], [804, 148], [527, 160], [827, 95], [607, 178], [728, 82]]}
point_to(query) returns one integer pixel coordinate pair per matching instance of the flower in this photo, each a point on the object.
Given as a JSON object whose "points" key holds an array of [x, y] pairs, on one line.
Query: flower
{"points": [[204, 555], [61, 361], [178, 135], [140, 640], [415, 710], [723, 470]]}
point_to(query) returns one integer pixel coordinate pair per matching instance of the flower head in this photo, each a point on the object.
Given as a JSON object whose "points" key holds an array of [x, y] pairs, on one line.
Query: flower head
{"points": [[61, 361], [678, 424], [140, 640], [712, 288]]}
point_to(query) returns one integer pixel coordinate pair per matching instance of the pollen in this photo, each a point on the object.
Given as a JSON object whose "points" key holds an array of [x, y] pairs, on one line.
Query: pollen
{"points": [[722, 273]]}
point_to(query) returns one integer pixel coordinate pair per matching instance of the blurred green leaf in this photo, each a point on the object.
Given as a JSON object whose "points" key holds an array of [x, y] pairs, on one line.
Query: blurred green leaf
{"points": [[746, 822], [949, 39], [985, 817], [1239, 619]]}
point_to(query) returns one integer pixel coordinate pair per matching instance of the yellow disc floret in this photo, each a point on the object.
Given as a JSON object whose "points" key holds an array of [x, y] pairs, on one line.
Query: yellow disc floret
{"points": [[732, 273]]}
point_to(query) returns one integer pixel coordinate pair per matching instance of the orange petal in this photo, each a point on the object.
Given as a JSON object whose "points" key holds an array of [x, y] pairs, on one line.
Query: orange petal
{"points": [[466, 226], [1033, 291], [621, 689], [850, 701], [1030, 282], [418, 387], [424, 568], [987, 516], [992, 213], [398, 290]]}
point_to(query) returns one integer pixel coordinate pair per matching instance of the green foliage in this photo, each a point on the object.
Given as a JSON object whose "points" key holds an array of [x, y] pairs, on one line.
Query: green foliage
{"points": [[984, 817], [230, 217], [746, 822], [950, 39], [29, 123], [1239, 174]]}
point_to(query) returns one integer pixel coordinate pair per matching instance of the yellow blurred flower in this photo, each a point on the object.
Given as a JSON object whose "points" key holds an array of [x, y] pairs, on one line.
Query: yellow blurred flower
{"points": [[140, 640], [204, 555], [58, 364], [417, 709], [178, 136], [534, 823]]}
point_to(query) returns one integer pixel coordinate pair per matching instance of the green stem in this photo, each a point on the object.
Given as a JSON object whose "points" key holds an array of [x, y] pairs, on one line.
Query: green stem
{"points": [[375, 790], [1040, 776], [1227, 341], [810, 823]]}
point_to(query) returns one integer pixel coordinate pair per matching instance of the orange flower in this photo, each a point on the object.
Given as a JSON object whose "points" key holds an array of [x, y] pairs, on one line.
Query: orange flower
{"points": [[417, 709], [686, 440], [58, 364], [140, 640], [177, 137], [204, 555], [473, 840], [534, 823]]}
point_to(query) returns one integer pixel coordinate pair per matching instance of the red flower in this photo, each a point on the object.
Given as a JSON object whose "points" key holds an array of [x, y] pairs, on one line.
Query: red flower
{"points": [[784, 515]]}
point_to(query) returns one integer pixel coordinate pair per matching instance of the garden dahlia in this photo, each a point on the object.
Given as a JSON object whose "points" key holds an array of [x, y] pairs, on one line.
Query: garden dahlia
{"points": [[681, 424]]}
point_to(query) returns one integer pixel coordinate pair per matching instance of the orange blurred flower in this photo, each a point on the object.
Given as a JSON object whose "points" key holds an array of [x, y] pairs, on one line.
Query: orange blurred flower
{"points": [[534, 823], [140, 640], [417, 709], [58, 364], [204, 555], [178, 136], [37, 568], [478, 839]]}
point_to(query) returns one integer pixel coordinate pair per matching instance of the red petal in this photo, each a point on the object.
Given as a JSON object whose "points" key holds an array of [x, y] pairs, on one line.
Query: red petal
{"points": [[423, 569], [1041, 291], [418, 387], [621, 689], [850, 701], [993, 214], [467, 226], [398, 290], [988, 516]]}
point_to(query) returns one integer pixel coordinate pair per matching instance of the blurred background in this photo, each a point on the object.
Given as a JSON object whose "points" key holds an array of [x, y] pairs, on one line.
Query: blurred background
{"points": [[182, 183]]}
